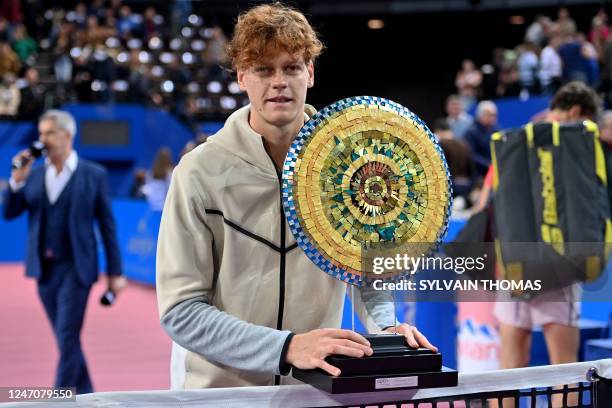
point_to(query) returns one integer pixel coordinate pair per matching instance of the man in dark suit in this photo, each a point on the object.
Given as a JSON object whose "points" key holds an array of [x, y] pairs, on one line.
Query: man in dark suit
{"points": [[63, 199], [479, 134]]}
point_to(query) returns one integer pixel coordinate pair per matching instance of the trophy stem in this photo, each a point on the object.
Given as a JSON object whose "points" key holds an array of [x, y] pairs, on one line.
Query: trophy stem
{"points": [[394, 309], [352, 308]]}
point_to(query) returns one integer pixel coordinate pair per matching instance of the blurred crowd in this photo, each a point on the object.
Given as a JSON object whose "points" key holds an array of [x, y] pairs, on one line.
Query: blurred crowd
{"points": [[553, 53], [107, 52]]}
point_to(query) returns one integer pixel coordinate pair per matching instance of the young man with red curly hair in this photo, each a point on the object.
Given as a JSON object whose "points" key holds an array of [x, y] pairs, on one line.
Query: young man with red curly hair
{"points": [[242, 303]]}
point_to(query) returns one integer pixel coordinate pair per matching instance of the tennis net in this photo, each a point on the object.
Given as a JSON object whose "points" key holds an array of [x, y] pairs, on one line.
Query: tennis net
{"points": [[584, 384]]}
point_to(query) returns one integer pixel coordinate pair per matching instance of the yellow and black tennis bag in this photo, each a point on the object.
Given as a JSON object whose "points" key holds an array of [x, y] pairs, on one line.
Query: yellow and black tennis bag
{"points": [[551, 208]]}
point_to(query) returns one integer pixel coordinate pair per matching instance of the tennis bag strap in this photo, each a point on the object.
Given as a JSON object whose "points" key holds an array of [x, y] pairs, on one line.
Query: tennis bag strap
{"points": [[552, 215]]}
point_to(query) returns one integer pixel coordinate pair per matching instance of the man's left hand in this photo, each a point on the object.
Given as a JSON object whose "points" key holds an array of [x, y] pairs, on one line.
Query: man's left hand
{"points": [[414, 337]]}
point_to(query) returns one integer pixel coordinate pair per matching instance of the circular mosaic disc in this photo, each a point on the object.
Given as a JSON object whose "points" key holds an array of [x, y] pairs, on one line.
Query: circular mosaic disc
{"points": [[365, 174]]}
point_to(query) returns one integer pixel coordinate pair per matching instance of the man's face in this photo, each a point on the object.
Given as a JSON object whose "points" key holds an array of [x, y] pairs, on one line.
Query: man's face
{"points": [[453, 107], [606, 130], [488, 117], [32, 76], [57, 142], [276, 87]]}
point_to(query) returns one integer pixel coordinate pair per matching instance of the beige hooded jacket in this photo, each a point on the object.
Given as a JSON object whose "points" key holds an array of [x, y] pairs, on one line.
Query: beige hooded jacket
{"points": [[224, 242]]}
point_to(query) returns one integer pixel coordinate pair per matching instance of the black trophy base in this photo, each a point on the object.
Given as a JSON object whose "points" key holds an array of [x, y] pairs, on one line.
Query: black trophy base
{"points": [[391, 355], [377, 383], [392, 366]]}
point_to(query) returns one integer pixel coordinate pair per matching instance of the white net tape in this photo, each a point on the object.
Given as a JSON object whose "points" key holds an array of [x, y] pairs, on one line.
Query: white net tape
{"points": [[307, 396]]}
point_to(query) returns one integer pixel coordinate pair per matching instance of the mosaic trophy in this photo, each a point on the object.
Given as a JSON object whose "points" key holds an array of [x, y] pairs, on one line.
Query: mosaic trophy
{"points": [[365, 178]]}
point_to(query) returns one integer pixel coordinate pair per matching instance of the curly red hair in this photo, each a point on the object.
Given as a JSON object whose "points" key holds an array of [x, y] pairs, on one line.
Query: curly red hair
{"points": [[269, 28]]}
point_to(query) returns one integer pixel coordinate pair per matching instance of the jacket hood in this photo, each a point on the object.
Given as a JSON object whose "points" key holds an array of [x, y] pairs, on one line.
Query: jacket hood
{"points": [[239, 139]]}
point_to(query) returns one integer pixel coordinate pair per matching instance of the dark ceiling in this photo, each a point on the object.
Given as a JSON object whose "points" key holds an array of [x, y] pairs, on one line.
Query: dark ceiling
{"points": [[357, 7]]}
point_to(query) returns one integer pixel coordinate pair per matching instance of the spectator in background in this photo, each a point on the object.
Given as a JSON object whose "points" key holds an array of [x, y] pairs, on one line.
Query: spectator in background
{"points": [[460, 164], [4, 31], [527, 65], [9, 61], [97, 8], [214, 55], [82, 81], [158, 181], [78, 16], [509, 84], [179, 13], [95, 33], [537, 32], [180, 77], [591, 61], [140, 84], [572, 61], [62, 63], [110, 22], [58, 25], [127, 22], [605, 136], [550, 67], [151, 28], [606, 70], [468, 82], [24, 45], [10, 97], [458, 120], [491, 72], [565, 24], [103, 70], [114, 7], [599, 30], [34, 19], [189, 113], [479, 135], [32, 96], [140, 177]]}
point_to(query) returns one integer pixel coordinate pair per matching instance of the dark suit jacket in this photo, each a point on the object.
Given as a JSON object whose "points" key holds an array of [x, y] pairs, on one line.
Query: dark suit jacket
{"points": [[89, 202], [478, 138]]}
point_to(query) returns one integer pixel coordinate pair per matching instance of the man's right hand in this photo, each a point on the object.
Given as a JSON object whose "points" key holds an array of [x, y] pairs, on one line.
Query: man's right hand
{"points": [[309, 350], [21, 174]]}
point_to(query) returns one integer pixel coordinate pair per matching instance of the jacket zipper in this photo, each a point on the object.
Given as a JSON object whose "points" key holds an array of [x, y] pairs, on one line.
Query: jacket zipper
{"points": [[281, 295]]}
